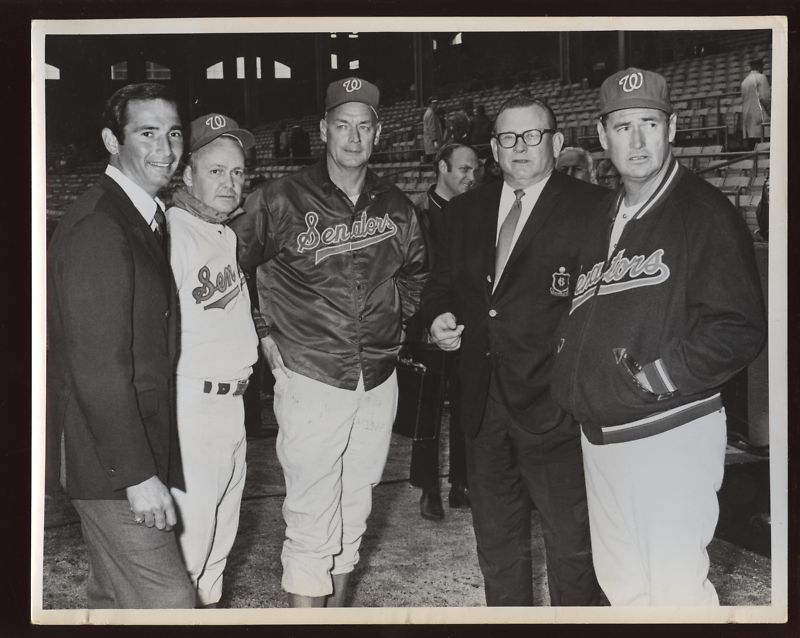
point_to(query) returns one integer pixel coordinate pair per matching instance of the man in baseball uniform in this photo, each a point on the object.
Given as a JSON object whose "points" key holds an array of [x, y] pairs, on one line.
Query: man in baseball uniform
{"points": [[218, 348], [341, 262], [667, 307]]}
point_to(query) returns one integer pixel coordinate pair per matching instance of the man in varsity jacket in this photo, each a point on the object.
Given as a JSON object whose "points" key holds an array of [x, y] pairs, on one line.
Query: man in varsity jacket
{"points": [[666, 309]]}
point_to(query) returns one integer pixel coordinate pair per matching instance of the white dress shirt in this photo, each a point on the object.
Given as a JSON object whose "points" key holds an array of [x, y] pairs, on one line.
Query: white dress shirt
{"points": [[140, 199], [507, 198]]}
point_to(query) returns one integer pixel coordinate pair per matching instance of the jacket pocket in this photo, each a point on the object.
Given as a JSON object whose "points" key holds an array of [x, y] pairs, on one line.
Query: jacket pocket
{"points": [[628, 367]]}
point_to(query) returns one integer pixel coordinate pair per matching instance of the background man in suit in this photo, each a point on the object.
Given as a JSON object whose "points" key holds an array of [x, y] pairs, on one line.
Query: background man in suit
{"points": [[432, 133], [112, 334], [455, 168], [756, 100], [499, 287]]}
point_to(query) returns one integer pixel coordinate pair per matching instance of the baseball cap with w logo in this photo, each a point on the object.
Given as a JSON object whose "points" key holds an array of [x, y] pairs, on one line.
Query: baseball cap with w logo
{"points": [[209, 127], [352, 89], [634, 88]]}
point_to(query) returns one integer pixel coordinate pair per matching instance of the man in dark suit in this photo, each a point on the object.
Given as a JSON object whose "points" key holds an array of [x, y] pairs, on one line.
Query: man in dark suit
{"points": [[500, 285], [112, 336], [455, 174]]}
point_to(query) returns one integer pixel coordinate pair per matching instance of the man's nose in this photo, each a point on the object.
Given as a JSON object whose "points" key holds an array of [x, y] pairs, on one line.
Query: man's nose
{"points": [[637, 138]]}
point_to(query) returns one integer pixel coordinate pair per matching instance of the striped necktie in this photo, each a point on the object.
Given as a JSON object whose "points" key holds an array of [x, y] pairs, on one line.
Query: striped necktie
{"points": [[161, 228], [507, 234]]}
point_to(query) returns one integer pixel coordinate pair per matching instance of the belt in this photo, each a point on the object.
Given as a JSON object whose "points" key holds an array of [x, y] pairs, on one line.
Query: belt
{"points": [[235, 388]]}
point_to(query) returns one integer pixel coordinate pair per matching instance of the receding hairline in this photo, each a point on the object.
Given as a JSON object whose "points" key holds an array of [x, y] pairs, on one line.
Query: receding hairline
{"points": [[548, 114]]}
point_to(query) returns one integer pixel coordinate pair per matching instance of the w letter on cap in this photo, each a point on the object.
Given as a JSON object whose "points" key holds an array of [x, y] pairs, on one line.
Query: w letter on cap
{"points": [[631, 82], [353, 84], [216, 122]]}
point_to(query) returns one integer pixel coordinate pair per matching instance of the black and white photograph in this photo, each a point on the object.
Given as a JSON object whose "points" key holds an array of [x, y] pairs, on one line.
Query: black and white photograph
{"points": [[409, 321]]}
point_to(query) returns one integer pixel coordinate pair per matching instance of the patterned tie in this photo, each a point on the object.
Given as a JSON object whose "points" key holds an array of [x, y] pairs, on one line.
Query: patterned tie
{"points": [[161, 228], [507, 234]]}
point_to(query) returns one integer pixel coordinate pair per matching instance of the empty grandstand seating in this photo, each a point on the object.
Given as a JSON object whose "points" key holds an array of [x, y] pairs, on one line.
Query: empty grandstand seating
{"points": [[705, 93]]}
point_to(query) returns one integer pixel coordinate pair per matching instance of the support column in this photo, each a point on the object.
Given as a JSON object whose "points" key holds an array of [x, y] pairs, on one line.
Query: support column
{"points": [[251, 83], [419, 40], [564, 66], [321, 70], [621, 51]]}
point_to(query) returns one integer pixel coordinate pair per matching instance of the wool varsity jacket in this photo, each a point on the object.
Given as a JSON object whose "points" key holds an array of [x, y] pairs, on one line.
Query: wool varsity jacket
{"points": [[335, 281], [679, 300]]}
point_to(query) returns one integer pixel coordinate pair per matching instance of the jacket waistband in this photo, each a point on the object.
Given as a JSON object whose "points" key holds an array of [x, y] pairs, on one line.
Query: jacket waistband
{"points": [[659, 424]]}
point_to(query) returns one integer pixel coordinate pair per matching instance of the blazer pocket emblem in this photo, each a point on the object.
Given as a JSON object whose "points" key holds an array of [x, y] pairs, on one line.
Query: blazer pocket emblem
{"points": [[560, 285]]}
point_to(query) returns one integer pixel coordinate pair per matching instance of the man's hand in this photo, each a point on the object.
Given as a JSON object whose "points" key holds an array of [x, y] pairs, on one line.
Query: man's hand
{"points": [[151, 503], [446, 333], [273, 355]]}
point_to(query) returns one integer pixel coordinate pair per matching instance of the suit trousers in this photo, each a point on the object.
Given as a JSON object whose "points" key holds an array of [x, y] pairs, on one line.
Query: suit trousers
{"points": [[507, 468], [424, 470], [131, 566]]}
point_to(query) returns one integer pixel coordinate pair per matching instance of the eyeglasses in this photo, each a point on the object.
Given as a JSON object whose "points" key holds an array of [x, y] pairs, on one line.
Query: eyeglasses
{"points": [[532, 137]]}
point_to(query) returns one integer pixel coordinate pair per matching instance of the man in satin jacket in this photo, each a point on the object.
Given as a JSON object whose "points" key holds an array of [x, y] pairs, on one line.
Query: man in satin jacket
{"points": [[341, 262]]}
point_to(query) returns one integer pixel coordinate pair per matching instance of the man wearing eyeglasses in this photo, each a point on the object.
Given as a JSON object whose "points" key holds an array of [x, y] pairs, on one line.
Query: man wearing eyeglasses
{"points": [[501, 284]]}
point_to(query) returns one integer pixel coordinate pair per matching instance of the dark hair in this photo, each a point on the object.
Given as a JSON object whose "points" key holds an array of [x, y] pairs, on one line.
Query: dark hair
{"points": [[757, 64], [446, 152], [523, 101], [115, 113]]}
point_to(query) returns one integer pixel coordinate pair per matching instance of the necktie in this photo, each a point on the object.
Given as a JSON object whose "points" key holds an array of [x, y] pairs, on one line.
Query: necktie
{"points": [[161, 228], [507, 234]]}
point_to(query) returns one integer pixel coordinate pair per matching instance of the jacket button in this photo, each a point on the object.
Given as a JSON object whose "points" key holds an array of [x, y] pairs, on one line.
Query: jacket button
{"points": [[488, 354], [492, 312], [489, 278], [166, 314], [111, 471]]}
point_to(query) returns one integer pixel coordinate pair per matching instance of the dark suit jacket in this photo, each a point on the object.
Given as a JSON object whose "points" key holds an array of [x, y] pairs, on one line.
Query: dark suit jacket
{"points": [[112, 330], [510, 330]]}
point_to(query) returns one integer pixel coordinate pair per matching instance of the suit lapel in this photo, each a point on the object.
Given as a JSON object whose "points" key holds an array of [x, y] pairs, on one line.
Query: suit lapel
{"points": [[136, 222], [485, 227], [545, 207]]}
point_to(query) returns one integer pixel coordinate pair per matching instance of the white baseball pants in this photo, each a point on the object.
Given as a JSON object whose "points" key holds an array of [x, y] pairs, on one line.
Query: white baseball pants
{"points": [[652, 513], [213, 448], [332, 445]]}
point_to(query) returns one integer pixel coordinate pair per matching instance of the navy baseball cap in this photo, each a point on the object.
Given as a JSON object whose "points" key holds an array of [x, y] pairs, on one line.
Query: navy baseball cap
{"points": [[633, 89], [207, 128], [352, 89]]}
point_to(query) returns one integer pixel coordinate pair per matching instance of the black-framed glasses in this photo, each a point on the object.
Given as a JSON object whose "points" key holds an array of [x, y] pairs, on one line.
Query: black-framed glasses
{"points": [[533, 137]]}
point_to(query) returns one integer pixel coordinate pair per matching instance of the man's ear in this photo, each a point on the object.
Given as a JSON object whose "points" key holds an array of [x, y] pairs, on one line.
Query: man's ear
{"points": [[323, 130], [601, 133], [378, 129], [673, 125], [493, 144], [558, 143], [187, 175], [110, 141], [443, 167]]}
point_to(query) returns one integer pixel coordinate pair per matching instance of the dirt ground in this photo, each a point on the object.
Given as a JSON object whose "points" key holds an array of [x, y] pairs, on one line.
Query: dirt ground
{"points": [[406, 561]]}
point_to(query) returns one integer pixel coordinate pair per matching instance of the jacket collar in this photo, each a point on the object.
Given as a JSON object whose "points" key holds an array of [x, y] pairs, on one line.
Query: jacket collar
{"points": [[373, 185], [673, 174]]}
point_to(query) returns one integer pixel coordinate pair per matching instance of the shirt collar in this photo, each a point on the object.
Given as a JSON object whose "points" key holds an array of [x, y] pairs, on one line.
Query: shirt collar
{"points": [[139, 198], [532, 192], [437, 199]]}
